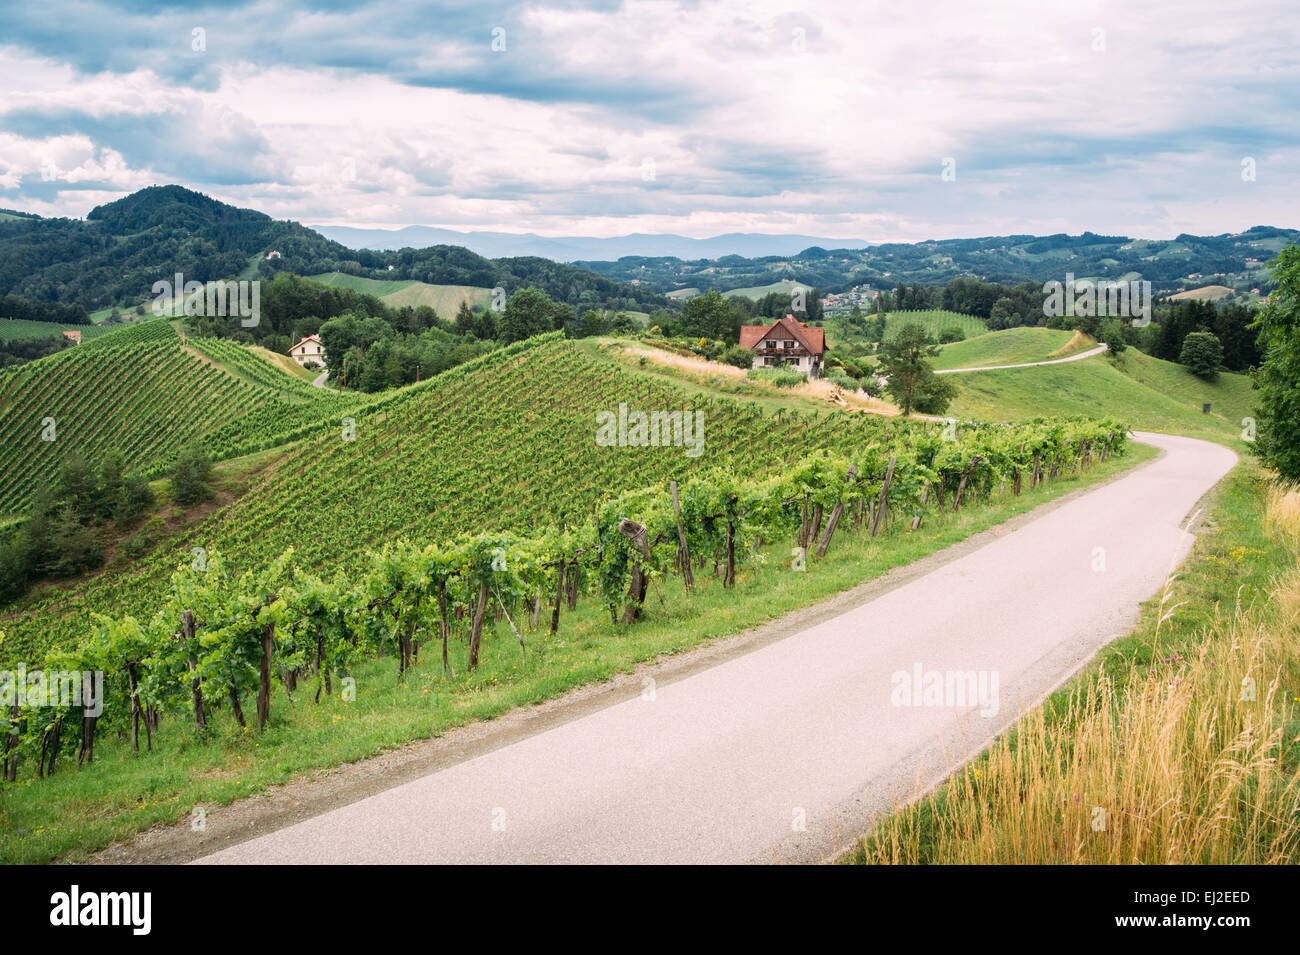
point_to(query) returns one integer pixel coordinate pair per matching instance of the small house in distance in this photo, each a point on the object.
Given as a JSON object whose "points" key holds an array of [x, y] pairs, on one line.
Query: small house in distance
{"points": [[74, 335], [309, 351], [786, 343]]}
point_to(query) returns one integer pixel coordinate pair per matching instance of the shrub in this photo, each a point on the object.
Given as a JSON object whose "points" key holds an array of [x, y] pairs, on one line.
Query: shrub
{"points": [[190, 477], [952, 333], [1203, 354], [782, 378], [739, 357]]}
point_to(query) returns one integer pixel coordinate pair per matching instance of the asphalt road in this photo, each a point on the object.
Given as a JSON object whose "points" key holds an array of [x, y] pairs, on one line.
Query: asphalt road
{"points": [[789, 751]]}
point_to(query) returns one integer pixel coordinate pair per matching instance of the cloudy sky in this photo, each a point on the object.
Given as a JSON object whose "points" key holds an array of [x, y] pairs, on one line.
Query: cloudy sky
{"points": [[564, 118]]}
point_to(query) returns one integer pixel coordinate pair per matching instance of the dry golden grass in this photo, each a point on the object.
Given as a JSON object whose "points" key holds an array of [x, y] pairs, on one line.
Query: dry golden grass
{"points": [[1282, 516], [1078, 342], [1183, 761], [701, 370]]}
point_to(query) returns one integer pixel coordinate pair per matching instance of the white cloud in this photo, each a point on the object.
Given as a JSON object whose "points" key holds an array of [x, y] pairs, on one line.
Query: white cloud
{"points": [[827, 118]]}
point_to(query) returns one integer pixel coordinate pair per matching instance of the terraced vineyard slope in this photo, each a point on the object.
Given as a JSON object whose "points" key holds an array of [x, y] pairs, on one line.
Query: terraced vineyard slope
{"points": [[504, 443], [142, 391]]}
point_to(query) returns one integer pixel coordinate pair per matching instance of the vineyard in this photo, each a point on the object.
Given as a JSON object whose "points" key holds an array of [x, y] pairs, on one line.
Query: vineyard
{"points": [[139, 390], [421, 553]]}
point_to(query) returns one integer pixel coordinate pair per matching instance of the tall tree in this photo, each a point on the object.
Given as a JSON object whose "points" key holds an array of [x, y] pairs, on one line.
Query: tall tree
{"points": [[528, 312], [1278, 379], [903, 359], [1202, 354]]}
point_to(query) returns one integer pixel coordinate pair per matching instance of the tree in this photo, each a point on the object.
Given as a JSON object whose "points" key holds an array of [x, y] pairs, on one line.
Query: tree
{"points": [[952, 333], [903, 359], [1202, 354], [1111, 334], [464, 318], [529, 312], [1278, 378], [935, 394], [713, 315], [1003, 314], [739, 357], [190, 476]]}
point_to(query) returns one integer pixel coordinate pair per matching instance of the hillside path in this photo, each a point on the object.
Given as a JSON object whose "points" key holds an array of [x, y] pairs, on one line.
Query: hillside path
{"points": [[1029, 364], [789, 750], [319, 380]]}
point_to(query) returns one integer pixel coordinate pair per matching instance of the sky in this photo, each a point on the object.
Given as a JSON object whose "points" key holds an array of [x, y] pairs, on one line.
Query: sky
{"points": [[876, 121]]}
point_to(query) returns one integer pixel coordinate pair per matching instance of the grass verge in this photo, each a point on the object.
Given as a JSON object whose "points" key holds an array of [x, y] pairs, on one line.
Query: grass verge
{"points": [[1177, 745]]}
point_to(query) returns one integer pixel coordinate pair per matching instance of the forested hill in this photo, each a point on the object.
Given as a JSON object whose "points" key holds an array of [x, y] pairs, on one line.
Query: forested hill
{"points": [[1235, 260], [122, 248]]}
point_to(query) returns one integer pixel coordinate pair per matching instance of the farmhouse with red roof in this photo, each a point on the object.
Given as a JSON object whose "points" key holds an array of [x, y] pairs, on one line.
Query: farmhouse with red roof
{"points": [[787, 342], [309, 351]]}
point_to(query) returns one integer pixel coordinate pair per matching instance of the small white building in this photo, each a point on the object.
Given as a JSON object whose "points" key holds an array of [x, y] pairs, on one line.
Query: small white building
{"points": [[309, 351]]}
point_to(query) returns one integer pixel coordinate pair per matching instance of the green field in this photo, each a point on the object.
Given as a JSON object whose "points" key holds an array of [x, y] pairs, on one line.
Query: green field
{"points": [[934, 321], [1151, 394], [13, 329], [1206, 293], [443, 299], [785, 286], [1012, 346], [376, 287]]}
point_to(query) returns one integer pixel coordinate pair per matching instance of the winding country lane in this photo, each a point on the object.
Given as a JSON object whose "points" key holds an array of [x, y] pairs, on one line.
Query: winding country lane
{"points": [[720, 766], [1029, 364]]}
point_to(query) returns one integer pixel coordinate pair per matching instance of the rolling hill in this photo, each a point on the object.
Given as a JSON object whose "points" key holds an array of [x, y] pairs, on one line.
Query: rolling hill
{"points": [[113, 256], [436, 460], [1011, 346], [443, 299], [1151, 394], [1237, 260], [145, 392]]}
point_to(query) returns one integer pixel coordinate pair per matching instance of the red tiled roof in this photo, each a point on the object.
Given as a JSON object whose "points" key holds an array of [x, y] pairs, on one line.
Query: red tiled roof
{"points": [[813, 339]]}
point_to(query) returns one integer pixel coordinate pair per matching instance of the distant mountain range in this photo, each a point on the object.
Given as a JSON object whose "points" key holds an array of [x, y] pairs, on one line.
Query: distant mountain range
{"points": [[115, 255], [575, 248], [1237, 261]]}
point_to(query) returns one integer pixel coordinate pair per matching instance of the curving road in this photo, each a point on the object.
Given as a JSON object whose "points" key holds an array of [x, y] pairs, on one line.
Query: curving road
{"points": [[724, 765], [1029, 364]]}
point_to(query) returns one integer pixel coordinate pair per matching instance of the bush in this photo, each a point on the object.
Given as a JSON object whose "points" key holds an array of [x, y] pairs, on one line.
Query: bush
{"points": [[935, 395], [190, 476], [780, 377], [1203, 354], [133, 498], [952, 333], [739, 357], [841, 380]]}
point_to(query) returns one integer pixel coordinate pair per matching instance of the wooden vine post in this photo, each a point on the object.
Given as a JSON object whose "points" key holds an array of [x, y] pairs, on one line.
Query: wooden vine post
{"points": [[639, 537], [196, 687], [961, 488], [833, 521], [683, 550], [883, 506]]}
